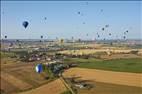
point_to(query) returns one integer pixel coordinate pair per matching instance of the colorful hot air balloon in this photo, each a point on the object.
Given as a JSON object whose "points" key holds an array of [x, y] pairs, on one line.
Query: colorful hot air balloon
{"points": [[25, 24], [39, 68]]}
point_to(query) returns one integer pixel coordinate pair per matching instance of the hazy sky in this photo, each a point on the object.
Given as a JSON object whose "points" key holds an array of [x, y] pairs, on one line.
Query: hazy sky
{"points": [[63, 20]]}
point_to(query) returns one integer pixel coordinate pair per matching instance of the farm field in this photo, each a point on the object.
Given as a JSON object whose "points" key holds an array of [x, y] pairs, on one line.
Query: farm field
{"points": [[17, 76], [54, 87], [71, 47], [122, 78], [106, 88], [107, 82], [123, 65], [99, 50]]}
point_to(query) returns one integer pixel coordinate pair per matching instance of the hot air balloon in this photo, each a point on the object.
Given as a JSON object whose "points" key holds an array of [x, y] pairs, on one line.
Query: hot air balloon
{"points": [[78, 12], [106, 25], [41, 37], [39, 68], [101, 10], [127, 31], [124, 37], [83, 22], [45, 18], [98, 36], [103, 29], [110, 34], [25, 24], [5, 37]]}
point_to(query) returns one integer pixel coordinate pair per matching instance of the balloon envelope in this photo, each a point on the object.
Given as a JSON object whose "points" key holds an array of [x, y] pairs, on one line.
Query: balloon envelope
{"points": [[103, 29], [25, 24], [106, 26], [124, 37], [78, 12], [39, 68], [5, 36], [41, 37], [45, 18]]}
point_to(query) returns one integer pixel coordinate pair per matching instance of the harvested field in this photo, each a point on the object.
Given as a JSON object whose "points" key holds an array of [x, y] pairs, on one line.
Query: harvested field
{"points": [[119, 56], [54, 87], [16, 77], [106, 88], [7, 88], [120, 78], [93, 51], [15, 81]]}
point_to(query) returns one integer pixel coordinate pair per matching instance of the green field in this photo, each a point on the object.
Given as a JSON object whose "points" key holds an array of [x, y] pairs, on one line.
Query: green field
{"points": [[123, 65]]}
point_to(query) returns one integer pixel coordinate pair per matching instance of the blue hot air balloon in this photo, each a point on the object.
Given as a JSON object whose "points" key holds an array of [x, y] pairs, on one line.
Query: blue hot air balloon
{"points": [[39, 68], [25, 24]]}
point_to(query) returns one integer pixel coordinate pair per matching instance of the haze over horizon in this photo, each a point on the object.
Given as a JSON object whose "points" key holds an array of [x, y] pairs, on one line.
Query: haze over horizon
{"points": [[67, 19]]}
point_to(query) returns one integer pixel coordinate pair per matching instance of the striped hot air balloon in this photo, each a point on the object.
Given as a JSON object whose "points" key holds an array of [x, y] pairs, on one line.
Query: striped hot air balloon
{"points": [[39, 68]]}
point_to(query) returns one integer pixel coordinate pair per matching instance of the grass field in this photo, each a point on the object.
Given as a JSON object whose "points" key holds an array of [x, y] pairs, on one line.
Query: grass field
{"points": [[123, 65]]}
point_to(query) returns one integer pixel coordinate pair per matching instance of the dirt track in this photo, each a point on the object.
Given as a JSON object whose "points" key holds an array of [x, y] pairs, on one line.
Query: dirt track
{"points": [[54, 87], [120, 78]]}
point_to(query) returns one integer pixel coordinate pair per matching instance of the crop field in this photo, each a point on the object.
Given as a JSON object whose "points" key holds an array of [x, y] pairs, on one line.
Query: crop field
{"points": [[54, 87], [18, 76], [118, 73], [106, 82], [106, 88], [125, 65], [104, 50]]}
